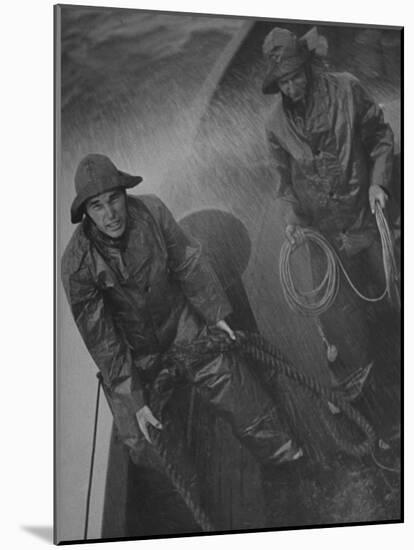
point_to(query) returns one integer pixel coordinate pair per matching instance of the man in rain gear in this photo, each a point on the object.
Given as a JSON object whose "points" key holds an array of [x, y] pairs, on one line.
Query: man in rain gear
{"points": [[333, 155], [137, 285]]}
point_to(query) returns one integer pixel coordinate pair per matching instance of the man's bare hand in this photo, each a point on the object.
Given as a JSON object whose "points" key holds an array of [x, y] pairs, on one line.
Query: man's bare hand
{"points": [[144, 418], [222, 325], [377, 194], [294, 234]]}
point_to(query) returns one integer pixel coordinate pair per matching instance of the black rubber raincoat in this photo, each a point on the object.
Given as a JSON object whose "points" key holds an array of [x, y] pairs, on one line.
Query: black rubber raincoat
{"points": [[327, 156], [132, 298]]}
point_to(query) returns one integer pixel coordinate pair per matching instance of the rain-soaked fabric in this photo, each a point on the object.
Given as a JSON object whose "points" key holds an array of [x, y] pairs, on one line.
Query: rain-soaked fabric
{"points": [[133, 298], [328, 153]]}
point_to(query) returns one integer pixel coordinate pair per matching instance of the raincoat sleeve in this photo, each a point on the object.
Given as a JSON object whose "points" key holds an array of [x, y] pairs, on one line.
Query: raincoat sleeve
{"points": [[104, 341], [280, 167], [377, 137], [190, 267]]}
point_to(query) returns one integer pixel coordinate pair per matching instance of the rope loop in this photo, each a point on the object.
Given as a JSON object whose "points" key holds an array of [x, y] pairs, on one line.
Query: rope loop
{"points": [[318, 300]]}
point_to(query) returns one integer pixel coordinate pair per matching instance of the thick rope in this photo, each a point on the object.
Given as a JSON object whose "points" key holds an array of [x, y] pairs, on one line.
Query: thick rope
{"points": [[271, 361], [179, 482], [270, 357], [177, 477], [318, 300]]}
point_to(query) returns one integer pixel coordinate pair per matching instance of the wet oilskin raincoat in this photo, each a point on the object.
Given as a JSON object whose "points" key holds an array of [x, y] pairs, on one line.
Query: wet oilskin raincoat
{"points": [[327, 157], [134, 297]]}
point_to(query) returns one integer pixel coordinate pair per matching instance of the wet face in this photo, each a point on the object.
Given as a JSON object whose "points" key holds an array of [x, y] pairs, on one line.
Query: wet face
{"points": [[294, 85], [109, 212]]}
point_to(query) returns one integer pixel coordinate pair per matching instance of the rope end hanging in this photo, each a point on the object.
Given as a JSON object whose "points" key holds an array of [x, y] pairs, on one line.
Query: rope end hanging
{"points": [[332, 353], [331, 349], [320, 299]]}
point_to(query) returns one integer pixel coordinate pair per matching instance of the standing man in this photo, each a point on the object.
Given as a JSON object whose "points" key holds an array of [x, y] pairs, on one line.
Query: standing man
{"points": [[137, 284], [333, 156]]}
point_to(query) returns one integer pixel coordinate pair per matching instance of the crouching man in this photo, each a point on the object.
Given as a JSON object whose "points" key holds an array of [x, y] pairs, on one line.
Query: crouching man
{"points": [[137, 284]]}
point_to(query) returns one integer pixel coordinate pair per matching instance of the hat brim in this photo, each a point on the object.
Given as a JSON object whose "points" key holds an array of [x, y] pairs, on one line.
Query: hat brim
{"points": [[124, 181], [276, 71]]}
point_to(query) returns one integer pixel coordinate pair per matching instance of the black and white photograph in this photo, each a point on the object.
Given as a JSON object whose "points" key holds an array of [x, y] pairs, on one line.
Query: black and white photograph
{"points": [[228, 293]]}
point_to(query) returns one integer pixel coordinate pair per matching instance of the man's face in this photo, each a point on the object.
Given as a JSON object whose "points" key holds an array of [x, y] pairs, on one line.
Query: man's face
{"points": [[293, 85], [109, 212]]}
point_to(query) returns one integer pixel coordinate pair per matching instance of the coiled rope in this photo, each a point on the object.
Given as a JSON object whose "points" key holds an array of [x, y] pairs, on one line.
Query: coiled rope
{"points": [[315, 302], [318, 300]]}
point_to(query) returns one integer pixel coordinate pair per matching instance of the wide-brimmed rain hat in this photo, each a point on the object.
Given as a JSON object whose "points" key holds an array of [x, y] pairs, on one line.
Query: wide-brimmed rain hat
{"points": [[286, 53], [97, 174]]}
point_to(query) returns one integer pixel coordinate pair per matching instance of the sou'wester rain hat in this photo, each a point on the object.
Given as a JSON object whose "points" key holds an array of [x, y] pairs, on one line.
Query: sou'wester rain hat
{"points": [[97, 174], [285, 53]]}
